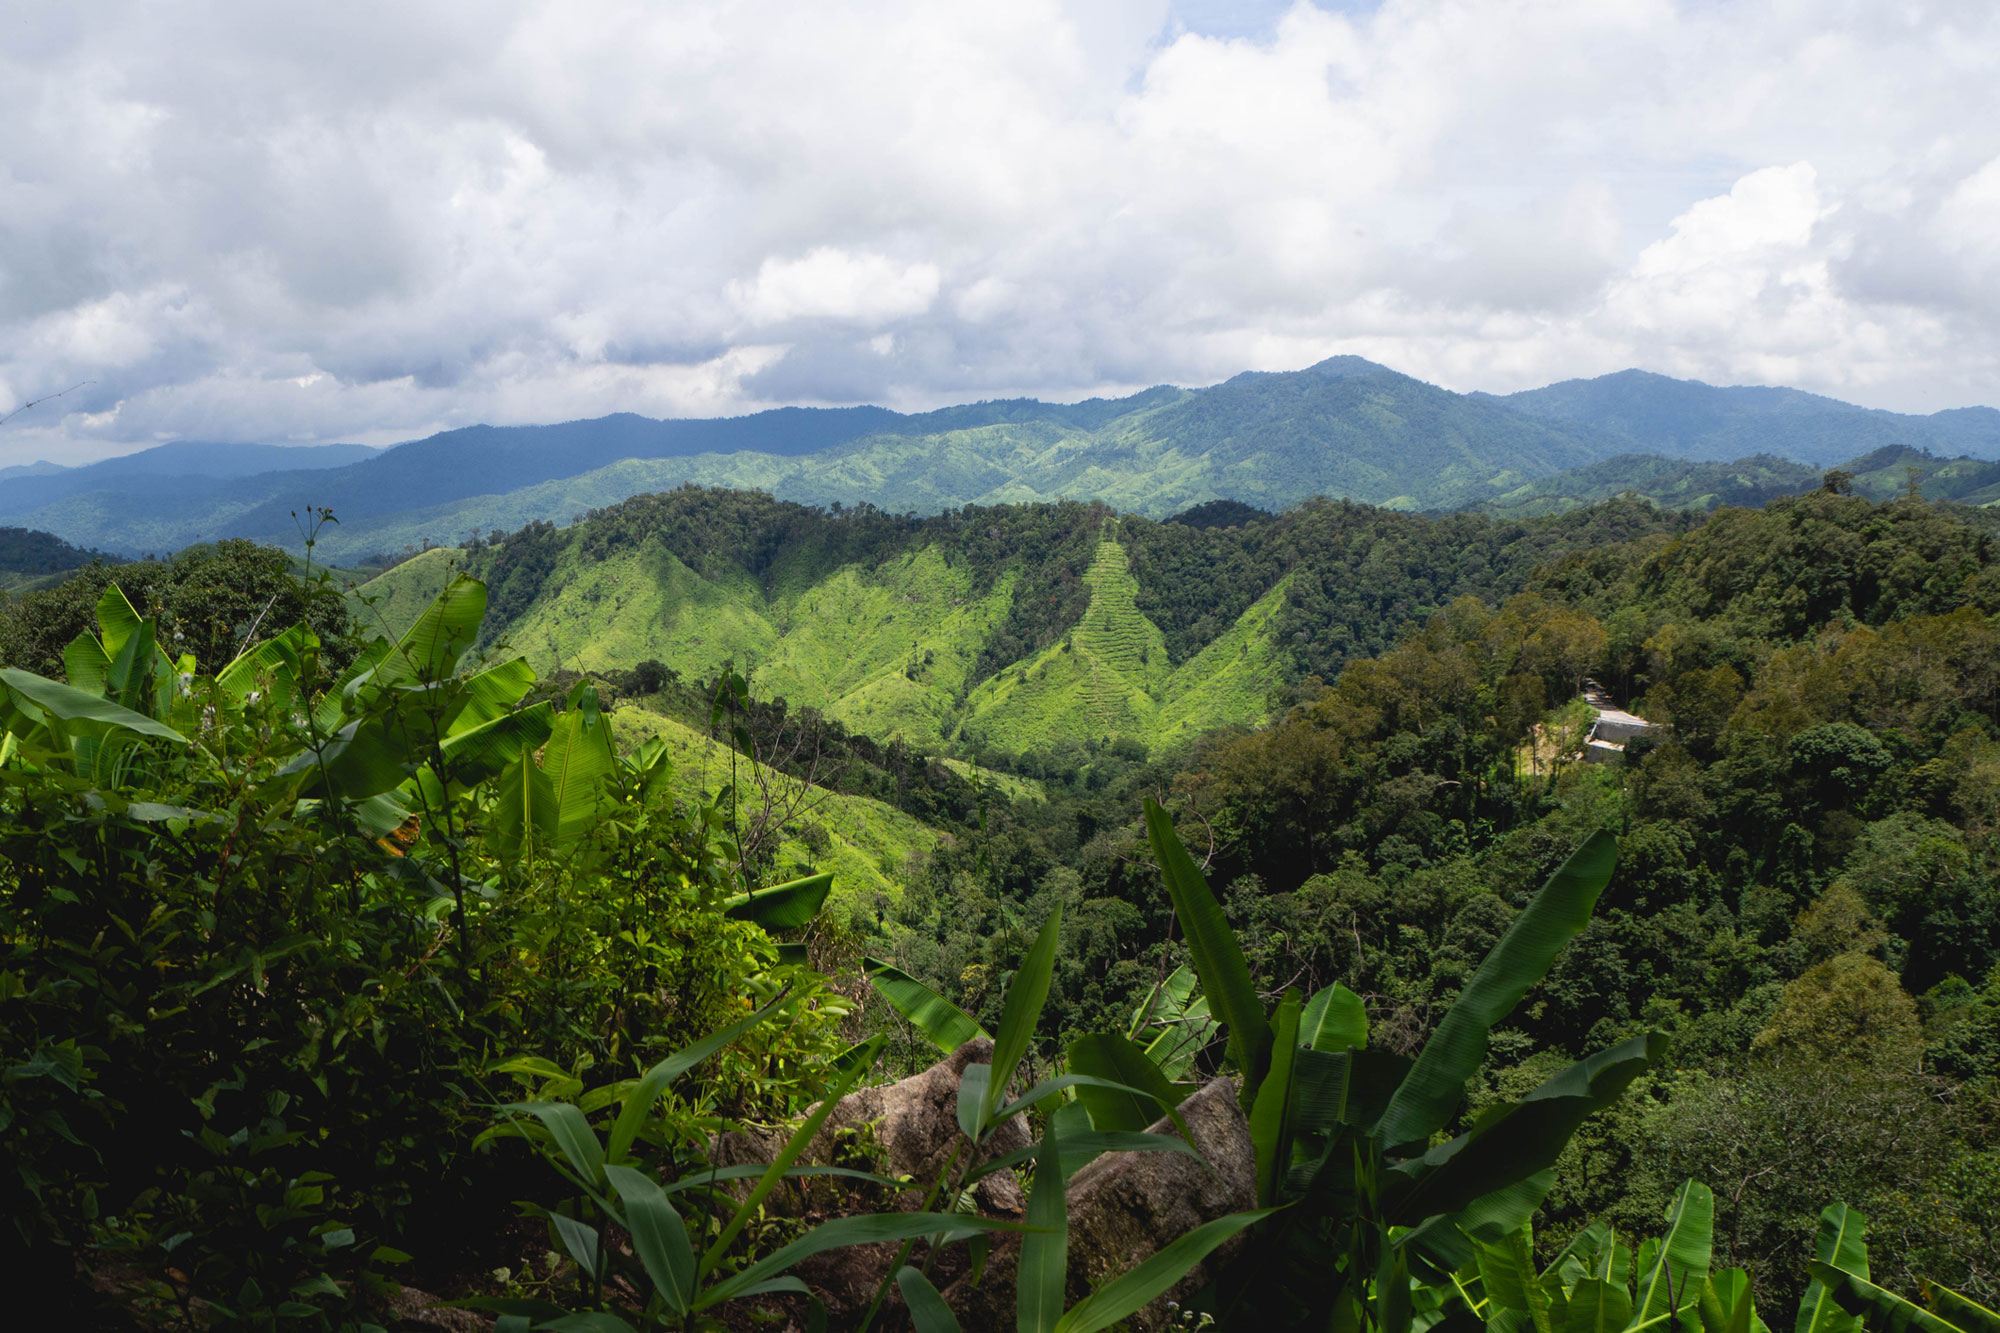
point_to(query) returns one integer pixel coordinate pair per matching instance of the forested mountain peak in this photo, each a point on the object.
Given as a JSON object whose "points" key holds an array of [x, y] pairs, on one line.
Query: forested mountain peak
{"points": [[1704, 422]]}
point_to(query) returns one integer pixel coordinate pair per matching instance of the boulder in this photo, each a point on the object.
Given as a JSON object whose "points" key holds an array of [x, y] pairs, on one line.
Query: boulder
{"points": [[1124, 1207], [907, 1128]]}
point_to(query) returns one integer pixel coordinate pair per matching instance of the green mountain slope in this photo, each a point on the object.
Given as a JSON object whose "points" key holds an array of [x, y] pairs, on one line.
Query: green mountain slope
{"points": [[1748, 482], [1346, 427], [872, 849], [991, 630], [1686, 419]]}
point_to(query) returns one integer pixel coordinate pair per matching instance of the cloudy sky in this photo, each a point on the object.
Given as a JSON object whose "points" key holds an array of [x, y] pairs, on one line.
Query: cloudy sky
{"points": [[369, 221]]}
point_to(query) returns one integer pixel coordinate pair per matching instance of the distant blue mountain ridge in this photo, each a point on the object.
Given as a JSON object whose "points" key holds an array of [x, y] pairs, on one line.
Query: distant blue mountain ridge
{"points": [[1346, 427]]}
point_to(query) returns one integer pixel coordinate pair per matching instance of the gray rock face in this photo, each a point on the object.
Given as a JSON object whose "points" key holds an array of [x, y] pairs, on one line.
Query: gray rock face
{"points": [[906, 1128], [1125, 1207]]}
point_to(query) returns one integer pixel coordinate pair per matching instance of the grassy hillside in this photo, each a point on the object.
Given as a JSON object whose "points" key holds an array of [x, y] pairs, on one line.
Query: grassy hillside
{"points": [[1674, 483], [390, 602], [1109, 673], [990, 630], [873, 849]]}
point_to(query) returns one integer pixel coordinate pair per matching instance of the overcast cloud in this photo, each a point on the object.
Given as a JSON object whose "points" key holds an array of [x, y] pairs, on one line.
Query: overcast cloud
{"points": [[247, 221]]}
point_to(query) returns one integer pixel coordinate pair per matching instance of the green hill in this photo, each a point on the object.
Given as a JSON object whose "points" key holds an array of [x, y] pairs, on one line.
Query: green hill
{"points": [[872, 849], [1749, 482], [1345, 427], [1686, 419], [1001, 630]]}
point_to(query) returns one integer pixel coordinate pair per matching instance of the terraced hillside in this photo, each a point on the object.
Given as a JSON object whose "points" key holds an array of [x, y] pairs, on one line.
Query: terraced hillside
{"points": [[1001, 630], [889, 648]]}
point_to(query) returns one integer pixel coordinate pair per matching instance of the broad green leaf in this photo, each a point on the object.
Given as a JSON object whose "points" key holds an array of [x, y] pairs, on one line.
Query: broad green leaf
{"points": [[1674, 1279], [582, 1241], [260, 662], [1218, 959], [1508, 1209], [1431, 1093], [116, 619], [1271, 1108], [927, 1308], [432, 647], [1048, 1087], [1733, 1299], [1507, 1274], [1334, 1020], [787, 1155], [1962, 1310], [573, 1134], [1043, 1271], [364, 758], [1842, 1243], [1584, 1248], [339, 701], [32, 692], [1022, 1012], [1511, 1142], [523, 816], [1877, 1308], [1131, 1292], [946, 1025], [1165, 1002], [85, 665], [478, 753], [131, 670], [973, 1081], [862, 1229], [638, 1103], [658, 1234], [578, 762], [1108, 1056], [493, 693], [1596, 1306], [782, 906]]}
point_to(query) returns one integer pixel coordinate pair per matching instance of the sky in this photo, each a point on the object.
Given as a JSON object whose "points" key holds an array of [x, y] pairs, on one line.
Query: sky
{"points": [[371, 221]]}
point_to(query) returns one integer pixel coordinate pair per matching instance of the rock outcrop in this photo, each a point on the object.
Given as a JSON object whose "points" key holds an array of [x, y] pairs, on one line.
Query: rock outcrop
{"points": [[907, 1128], [1124, 1207]]}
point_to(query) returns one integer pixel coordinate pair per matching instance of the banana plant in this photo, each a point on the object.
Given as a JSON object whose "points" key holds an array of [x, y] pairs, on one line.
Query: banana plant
{"points": [[1042, 1270], [684, 1281], [1843, 1298], [1348, 1138], [1598, 1284], [942, 1023], [121, 693]]}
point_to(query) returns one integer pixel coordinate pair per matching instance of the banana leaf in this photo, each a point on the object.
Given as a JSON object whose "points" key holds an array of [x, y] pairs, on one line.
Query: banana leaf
{"points": [[1218, 959], [946, 1025], [1429, 1096], [782, 906], [1878, 1309]]}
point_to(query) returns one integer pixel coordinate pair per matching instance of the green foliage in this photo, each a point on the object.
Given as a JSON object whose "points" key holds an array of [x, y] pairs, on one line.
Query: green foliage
{"points": [[265, 929]]}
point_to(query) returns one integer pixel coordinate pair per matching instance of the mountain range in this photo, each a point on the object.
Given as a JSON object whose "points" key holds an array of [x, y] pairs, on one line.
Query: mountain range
{"points": [[1346, 428]]}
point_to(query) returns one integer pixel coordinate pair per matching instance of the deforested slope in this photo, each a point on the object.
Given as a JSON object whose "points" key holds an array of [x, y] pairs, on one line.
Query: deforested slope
{"points": [[997, 629]]}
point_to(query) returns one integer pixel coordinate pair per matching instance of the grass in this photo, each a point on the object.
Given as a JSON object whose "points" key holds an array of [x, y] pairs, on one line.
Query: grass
{"points": [[1106, 678], [886, 650], [1110, 678], [390, 602], [873, 849]]}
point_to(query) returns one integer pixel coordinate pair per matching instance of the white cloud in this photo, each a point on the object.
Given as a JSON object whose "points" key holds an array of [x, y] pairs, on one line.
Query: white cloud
{"points": [[365, 222], [831, 284]]}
